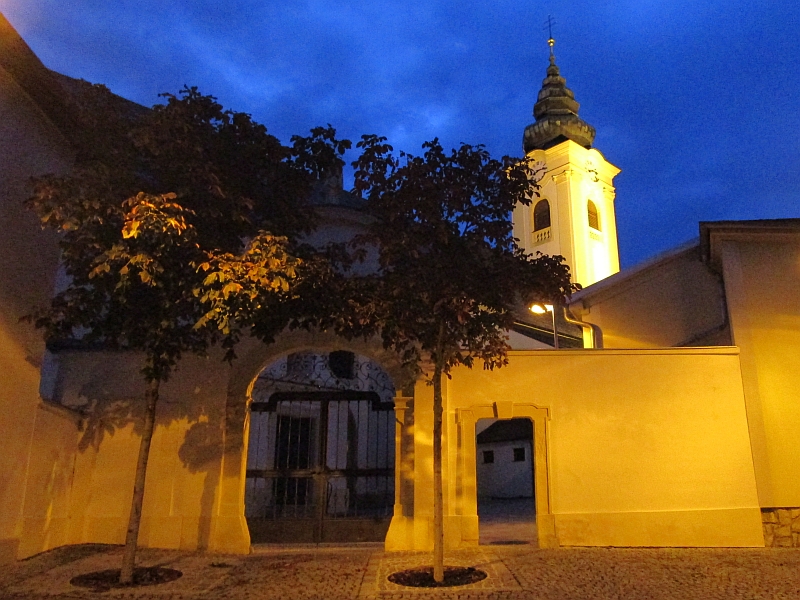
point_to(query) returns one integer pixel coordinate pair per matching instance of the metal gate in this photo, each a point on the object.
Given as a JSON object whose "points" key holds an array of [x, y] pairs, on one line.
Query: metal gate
{"points": [[321, 459]]}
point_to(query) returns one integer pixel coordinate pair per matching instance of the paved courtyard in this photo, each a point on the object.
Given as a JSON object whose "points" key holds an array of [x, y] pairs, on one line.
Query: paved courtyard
{"points": [[507, 521], [514, 571]]}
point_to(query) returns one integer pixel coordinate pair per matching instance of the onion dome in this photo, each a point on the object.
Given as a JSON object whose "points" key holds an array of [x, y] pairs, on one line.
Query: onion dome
{"points": [[556, 113]]}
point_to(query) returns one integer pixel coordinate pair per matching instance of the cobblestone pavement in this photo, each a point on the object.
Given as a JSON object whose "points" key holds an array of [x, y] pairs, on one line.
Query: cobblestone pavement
{"points": [[359, 572]]}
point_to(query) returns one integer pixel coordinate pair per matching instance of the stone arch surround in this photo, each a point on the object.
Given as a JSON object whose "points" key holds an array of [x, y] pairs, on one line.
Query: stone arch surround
{"points": [[229, 530], [411, 528], [467, 419]]}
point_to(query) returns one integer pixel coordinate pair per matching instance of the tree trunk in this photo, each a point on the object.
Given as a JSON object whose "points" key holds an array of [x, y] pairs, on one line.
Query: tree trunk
{"points": [[132, 539], [438, 521]]}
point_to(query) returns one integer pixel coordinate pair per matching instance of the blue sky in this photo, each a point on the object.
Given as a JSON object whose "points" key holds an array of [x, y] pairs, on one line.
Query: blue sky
{"points": [[697, 102]]}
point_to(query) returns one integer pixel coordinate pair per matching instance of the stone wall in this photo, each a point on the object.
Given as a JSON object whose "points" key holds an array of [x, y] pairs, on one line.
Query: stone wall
{"points": [[781, 527]]}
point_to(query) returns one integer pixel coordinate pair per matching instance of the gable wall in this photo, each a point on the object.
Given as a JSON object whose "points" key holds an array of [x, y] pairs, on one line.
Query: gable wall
{"points": [[505, 477], [677, 301], [762, 285]]}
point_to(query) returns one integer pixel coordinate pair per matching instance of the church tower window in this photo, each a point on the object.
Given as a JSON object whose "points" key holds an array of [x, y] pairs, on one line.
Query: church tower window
{"points": [[541, 215], [594, 218]]}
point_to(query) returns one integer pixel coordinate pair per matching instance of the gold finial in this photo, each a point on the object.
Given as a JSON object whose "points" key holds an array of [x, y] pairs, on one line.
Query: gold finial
{"points": [[551, 40]]}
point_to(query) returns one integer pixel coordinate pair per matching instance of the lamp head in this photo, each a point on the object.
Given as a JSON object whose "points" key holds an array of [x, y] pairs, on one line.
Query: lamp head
{"points": [[541, 309]]}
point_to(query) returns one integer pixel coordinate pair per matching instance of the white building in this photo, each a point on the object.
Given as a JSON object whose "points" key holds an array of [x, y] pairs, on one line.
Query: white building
{"points": [[504, 465]]}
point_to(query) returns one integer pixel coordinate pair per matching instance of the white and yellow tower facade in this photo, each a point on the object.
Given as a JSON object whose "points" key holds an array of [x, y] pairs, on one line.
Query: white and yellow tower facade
{"points": [[573, 216]]}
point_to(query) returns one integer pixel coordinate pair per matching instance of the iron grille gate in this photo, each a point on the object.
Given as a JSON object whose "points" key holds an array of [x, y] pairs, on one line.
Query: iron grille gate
{"points": [[320, 467]]}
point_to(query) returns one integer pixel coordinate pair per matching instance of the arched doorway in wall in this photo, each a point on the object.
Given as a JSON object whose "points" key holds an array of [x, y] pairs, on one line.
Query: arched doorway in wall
{"points": [[505, 481], [320, 458]]}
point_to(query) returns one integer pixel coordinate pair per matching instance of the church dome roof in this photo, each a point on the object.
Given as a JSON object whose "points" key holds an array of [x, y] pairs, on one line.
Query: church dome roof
{"points": [[556, 114]]}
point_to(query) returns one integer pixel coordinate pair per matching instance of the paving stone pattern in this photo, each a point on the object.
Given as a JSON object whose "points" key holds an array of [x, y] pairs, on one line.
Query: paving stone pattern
{"points": [[358, 572]]}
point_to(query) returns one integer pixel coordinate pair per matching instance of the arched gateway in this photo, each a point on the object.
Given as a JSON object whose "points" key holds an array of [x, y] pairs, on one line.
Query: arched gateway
{"points": [[320, 449], [266, 490]]}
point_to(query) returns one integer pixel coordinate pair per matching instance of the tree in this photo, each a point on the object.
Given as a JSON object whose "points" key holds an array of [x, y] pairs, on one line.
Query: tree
{"points": [[168, 216], [451, 274]]}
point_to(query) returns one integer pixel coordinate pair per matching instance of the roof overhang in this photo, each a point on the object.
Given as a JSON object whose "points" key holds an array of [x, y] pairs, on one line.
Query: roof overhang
{"points": [[19, 61], [627, 278], [714, 233]]}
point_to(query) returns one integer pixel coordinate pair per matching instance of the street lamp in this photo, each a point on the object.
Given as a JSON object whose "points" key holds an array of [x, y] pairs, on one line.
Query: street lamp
{"points": [[541, 309]]}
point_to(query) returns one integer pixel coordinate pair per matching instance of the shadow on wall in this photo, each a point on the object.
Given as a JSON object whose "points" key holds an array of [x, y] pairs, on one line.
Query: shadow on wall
{"points": [[190, 418], [201, 451], [200, 418]]}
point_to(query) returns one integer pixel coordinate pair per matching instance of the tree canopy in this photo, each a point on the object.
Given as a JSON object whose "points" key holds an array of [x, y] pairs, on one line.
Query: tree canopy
{"points": [[176, 224], [451, 274], [157, 202]]}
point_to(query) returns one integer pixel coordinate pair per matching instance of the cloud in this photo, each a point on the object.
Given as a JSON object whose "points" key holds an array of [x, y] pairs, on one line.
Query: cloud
{"points": [[696, 102]]}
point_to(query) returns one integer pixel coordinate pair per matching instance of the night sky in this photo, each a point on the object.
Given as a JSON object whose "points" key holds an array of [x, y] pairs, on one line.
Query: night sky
{"points": [[697, 101]]}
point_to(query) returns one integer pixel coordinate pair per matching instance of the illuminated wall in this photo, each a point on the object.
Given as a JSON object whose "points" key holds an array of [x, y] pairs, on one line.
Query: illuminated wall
{"points": [[762, 287], [183, 484], [571, 177], [35, 485], [739, 285], [194, 495], [632, 448], [672, 300]]}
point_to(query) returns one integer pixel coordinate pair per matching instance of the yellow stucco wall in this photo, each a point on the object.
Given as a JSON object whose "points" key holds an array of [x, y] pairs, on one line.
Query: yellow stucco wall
{"points": [[29, 145], [48, 487], [183, 485], [36, 462], [636, 447], [641, 447], [194, 492], [673, 300], [762, 286]]}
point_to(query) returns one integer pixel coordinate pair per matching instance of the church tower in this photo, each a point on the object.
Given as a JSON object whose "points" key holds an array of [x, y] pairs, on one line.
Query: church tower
{"points": [[574, 213]]}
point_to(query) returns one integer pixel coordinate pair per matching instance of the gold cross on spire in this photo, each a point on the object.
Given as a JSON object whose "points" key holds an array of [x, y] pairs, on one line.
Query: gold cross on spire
{"points": [[551, 40]]}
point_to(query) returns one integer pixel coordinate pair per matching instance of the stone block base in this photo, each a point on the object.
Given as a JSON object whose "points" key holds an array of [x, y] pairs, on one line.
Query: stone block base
{"points": [[781, 527]]}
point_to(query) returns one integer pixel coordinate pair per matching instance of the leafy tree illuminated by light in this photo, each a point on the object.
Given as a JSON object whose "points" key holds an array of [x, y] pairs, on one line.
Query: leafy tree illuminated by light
{"points": [[175, 225]]}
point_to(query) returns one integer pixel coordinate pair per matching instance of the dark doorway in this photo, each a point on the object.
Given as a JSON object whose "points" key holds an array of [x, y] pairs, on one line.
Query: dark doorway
{"points": [[505, 481], [292, 452]]}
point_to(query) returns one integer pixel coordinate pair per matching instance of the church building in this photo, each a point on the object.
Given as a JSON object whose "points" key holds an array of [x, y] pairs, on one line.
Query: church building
{"points": [[574, 213], [662, 402]]}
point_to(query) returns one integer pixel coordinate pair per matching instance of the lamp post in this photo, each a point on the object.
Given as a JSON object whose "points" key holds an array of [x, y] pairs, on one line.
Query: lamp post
{"points": [[540, 309]]}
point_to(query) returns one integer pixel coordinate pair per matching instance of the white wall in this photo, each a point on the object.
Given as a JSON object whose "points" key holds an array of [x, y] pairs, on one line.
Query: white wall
{"points": [[505, 478]]}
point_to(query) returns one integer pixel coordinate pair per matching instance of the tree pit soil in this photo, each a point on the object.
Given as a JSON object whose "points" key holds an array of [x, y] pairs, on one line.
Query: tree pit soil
{"points": [[102, 581], [423, 577]]}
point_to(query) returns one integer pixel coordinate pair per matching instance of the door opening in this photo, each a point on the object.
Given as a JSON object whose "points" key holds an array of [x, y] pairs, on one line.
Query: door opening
{"points": [[505, 481]]}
